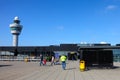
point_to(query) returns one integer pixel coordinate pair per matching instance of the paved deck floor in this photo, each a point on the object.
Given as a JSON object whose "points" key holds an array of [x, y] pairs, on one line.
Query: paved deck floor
{"points": [[13, 70]]}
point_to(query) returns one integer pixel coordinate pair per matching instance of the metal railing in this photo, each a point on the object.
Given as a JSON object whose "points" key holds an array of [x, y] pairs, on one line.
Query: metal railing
{"points": [[14, 58]]}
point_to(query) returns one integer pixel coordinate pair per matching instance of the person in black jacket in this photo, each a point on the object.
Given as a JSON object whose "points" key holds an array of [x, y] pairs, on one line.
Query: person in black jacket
{"points": [[41, 59]]}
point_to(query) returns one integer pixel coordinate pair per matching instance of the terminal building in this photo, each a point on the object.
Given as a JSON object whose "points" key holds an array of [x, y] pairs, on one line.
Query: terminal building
{"points": [[21, 52]]}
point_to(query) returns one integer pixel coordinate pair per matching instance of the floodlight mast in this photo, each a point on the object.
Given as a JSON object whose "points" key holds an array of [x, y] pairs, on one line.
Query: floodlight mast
{"points": [[16, 29]]}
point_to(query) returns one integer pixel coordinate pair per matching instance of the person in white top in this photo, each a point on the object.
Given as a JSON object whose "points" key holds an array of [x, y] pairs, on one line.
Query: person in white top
{"points": [[52, 60]]}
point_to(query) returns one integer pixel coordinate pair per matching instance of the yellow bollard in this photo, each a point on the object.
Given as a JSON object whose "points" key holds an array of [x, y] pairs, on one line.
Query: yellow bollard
{"points": [[26, 59], [82, 65]]}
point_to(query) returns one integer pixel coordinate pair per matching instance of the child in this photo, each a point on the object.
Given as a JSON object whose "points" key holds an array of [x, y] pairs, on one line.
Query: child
{"points": [[44, 61]]}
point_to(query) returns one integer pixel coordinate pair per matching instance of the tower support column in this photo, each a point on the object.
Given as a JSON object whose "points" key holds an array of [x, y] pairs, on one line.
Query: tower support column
{"points": [[15, 40]]}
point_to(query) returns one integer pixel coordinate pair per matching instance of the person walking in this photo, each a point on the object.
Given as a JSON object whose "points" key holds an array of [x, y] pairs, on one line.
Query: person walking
{"points": [[41, 59], [63, 60], [52, 60]]}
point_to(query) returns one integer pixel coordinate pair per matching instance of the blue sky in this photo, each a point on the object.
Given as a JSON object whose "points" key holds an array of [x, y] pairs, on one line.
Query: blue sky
{"points": [[52, 22]]}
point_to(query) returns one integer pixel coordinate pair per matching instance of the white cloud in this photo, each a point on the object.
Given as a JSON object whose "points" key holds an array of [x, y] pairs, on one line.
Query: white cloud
{"points": [[111, 7], [103, 42]]}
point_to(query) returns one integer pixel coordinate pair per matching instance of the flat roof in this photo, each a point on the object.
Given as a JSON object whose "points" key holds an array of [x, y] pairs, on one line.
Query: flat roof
{"points": [[55, 48]]}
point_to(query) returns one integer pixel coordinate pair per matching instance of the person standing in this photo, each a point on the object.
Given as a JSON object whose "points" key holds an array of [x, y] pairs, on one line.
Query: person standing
{"points": [[41, 59], [63, 60], [52, 60]]}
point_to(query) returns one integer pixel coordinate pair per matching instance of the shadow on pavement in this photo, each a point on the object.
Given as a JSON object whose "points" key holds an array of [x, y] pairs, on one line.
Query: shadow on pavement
{"points": [[103, 68], [5, 65], [116, 67]]}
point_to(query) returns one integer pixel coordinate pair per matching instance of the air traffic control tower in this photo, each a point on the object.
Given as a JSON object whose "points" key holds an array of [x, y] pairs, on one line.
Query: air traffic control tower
{"points": [[15, 30]]}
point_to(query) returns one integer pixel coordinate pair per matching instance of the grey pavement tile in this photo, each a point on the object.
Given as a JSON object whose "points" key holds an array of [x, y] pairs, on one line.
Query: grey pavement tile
{"points": [[32, 71]]}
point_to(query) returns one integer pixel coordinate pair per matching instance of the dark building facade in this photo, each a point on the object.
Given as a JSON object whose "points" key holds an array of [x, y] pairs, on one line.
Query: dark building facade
{"points": [[35, 51]]}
